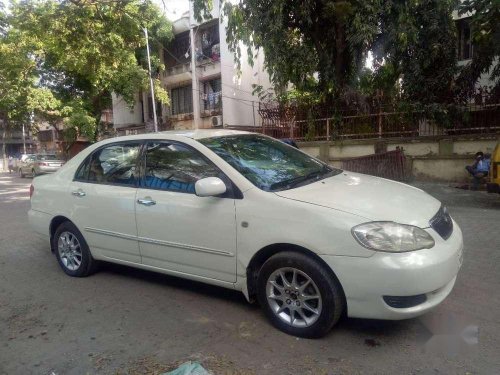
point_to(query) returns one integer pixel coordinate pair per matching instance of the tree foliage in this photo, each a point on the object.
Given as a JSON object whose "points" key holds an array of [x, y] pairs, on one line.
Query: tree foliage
{"points": [[321, 42], [418, 40], [320, 46], [485, 26], [20, 94], [86, 49]]}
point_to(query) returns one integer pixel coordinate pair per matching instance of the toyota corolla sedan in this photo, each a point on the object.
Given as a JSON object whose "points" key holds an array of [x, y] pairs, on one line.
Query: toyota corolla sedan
{"points": [[247, 212], [37, 164]]}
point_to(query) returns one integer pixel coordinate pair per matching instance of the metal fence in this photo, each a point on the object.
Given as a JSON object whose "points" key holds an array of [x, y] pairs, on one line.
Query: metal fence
{"points": [[315, 123], [391, 165]]}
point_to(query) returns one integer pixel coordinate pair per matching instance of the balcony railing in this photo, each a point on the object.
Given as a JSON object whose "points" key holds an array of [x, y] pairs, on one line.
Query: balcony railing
{"points": [[178, 69], [211, 104]]}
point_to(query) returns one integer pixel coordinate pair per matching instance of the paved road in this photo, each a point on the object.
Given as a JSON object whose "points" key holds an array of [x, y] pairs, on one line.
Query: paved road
{"points": [[127, 321]]}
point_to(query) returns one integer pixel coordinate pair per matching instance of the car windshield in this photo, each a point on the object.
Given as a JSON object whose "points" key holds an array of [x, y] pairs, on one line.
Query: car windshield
{"points": [[47, 157], [269, 164]]}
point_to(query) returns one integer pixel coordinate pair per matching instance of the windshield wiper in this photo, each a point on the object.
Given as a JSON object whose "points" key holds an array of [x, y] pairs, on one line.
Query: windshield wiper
{"points": [[288, 184]]}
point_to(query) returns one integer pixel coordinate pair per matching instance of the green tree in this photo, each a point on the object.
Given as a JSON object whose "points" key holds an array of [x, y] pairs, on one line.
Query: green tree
{"points": [[418, 39], [86, 49], [485, 26], [320, 46], [20, 95], [324, 41]]}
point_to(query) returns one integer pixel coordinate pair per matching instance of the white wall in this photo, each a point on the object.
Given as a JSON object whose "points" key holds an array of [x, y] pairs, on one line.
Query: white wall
{"points": [[237, 97], [123, 115]]}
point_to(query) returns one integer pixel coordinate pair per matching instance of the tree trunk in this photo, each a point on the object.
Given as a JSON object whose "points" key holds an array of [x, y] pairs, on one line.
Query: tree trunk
{"points": [[340, 44], [4, 145], [97, 127]]}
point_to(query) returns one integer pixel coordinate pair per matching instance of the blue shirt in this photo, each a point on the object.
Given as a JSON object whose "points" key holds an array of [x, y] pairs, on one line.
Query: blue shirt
{"points": [[483, 165]]}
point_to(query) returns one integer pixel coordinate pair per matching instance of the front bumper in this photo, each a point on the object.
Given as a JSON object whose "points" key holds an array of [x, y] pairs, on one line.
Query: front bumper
{"points": [[431, 272]]}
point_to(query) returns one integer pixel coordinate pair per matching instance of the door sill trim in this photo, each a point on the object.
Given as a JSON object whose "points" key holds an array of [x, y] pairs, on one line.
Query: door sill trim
{"points": [[160, 242]]}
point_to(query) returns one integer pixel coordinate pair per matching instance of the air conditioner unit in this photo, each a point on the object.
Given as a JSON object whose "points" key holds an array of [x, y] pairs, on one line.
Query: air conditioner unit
{"points": [[217, 121]]}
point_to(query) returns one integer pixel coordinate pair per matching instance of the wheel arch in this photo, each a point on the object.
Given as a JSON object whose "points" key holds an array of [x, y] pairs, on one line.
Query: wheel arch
{"points": [[54, 224], [261, 256]]}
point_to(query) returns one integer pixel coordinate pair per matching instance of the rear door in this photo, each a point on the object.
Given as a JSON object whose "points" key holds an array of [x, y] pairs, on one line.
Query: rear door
{"points": [[178, 230], [103, 194]]}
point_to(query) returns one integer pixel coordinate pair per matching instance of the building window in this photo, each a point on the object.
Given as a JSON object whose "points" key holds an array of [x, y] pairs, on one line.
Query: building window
{"points": [[209, 42], [178, 51], [181, 100], [45, 136], [464, 40], [212, 95]]}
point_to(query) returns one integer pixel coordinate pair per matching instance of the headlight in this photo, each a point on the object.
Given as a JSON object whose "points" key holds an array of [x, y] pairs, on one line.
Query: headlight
{"points": [[393, 237]]}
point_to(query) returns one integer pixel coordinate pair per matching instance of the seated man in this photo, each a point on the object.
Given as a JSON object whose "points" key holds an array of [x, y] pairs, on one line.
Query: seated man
{"points": [[479, 169]]}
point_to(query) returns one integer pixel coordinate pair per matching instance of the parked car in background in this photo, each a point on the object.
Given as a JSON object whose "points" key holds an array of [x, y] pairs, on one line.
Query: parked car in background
{"points": [[37, 164], [248, 212]]}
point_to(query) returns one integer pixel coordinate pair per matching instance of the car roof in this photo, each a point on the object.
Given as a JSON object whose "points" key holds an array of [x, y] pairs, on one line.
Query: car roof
{"points": [[192, 134], [204, 133]]}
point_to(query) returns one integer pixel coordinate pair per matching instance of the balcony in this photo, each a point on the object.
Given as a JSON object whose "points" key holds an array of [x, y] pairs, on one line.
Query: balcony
{"points": [[177, 58], [16, 138], [211, 97]]}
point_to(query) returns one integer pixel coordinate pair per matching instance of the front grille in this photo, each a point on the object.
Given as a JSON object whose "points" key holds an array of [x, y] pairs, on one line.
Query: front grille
{"points": [[442, 223], [402, 302]]}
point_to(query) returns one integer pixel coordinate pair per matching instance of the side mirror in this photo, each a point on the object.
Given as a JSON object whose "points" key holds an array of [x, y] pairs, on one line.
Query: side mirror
{"points": [[209, 187]]}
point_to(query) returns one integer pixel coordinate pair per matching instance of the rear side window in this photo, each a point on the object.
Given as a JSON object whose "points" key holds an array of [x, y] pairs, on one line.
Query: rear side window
{"points": [[175, 167], [112, 164], [83, 171]]}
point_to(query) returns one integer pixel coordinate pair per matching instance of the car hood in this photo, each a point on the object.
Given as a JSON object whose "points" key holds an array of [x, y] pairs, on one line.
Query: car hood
{"points": [[371, 197]]}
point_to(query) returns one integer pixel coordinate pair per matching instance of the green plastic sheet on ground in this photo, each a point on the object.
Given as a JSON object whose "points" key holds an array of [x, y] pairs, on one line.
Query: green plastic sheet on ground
{"points": [[188, 368]]}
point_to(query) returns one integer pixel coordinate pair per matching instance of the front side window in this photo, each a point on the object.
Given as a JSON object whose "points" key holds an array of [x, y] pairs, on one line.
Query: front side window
{"points": [[113, 164], [175, 167], [269, 164]]}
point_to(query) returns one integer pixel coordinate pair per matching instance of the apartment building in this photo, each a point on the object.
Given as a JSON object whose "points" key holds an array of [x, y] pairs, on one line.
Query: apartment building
{"points": [[204, 86]]}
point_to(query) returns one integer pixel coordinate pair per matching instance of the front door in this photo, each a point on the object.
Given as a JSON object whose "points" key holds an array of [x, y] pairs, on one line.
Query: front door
{"points": [[177, 230], [103, 201]]}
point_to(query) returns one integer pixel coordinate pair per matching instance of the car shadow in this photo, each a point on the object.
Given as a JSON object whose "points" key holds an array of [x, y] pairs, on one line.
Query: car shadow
{"points": [[176, 282], [372, 330]]}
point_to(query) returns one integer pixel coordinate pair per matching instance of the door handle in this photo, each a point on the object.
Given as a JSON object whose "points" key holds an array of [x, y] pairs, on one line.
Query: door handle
{"points": [[146, 201], [78, 193]]}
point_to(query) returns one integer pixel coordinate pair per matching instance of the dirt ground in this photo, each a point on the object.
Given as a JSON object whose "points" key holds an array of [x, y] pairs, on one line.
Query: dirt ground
{"points": [[126, 321]]}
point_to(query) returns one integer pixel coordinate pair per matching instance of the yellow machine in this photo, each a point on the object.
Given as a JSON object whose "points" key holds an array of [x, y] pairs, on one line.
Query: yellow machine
{"points": [[494, 176]]}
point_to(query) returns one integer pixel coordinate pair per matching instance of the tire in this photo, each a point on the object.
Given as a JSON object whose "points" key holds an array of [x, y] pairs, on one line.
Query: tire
{"points": [[21, 174], [315, 280], [33, 173], [72, 251]]}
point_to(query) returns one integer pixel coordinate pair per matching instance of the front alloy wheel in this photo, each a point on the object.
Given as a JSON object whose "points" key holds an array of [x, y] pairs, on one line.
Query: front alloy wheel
{"points": [[299, 294], [294, 297]]}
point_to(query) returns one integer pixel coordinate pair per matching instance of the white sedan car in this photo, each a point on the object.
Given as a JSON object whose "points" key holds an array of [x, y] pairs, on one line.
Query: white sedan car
{"points": [[247, 212]]}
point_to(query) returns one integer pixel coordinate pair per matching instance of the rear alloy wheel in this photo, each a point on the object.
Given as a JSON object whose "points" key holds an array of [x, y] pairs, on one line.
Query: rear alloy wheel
{"points": [[299, 295], [72, 251]]}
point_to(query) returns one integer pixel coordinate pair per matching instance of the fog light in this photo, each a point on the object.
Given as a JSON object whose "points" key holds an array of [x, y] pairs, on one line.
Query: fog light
{"points": [[401, 302]]}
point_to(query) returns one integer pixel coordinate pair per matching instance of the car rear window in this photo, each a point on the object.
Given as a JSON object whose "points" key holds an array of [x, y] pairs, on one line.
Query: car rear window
{"points": [[47, 157]]}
